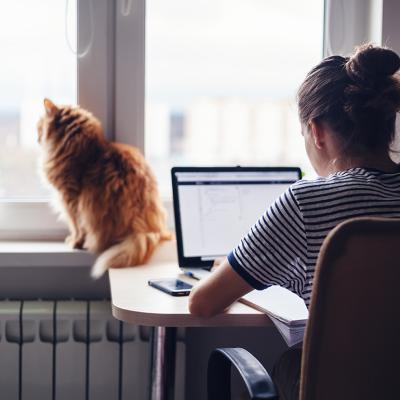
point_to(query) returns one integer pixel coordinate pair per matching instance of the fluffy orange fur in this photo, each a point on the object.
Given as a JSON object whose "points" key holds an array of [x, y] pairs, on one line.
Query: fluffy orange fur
{"points": [[108, 194]]}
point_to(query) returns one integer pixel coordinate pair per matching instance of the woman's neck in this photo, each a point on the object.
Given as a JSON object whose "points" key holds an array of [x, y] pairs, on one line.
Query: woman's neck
{"points": [[381, 162]]}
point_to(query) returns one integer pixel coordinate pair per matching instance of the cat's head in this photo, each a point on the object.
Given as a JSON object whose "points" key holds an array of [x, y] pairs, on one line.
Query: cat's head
{"points": [[60, 124]]}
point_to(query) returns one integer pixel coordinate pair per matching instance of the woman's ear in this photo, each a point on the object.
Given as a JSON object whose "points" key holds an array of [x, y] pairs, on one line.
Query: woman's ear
{"points": [[318, 133]]}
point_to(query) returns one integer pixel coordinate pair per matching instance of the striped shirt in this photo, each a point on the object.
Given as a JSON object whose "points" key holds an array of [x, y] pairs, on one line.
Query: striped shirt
{"points": [[283, 245]]}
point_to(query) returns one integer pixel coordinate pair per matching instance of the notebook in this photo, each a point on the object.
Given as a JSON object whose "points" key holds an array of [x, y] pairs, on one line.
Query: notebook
{"points": [[286, 310]]}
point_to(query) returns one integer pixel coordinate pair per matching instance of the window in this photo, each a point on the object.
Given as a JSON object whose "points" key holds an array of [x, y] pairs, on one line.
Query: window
{"points": [[49, 50], [221, 79]]}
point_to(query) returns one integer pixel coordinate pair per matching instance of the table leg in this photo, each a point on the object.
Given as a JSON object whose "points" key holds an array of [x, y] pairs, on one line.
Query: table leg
{"points": [[163, 363]]}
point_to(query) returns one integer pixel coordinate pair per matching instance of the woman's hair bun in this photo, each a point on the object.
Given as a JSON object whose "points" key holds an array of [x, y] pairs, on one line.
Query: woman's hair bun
{"points": [[371, 63]]}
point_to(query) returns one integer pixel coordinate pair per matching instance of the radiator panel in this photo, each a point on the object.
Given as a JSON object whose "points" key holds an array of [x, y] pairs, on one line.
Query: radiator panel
{"points": [[136, 368], [37, 365], [9, 315], [104, 355], [70, 354]]}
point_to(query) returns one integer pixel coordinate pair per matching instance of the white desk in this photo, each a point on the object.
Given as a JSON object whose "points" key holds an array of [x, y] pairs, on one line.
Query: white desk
{"points": [[134, 301]]}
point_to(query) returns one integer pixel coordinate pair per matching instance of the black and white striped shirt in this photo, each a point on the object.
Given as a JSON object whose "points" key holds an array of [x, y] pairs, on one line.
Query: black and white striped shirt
{"points": [[283, 246]]}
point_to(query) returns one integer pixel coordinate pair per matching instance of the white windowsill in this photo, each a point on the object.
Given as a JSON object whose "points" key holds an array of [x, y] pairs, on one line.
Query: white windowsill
{"points": [[42, 254], [59, 254]]}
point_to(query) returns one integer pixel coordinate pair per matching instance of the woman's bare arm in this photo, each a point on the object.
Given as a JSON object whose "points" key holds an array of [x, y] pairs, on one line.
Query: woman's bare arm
{"points": [[218, 291]]}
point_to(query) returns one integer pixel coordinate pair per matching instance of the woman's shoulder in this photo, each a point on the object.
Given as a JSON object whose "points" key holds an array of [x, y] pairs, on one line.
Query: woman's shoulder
{"points": [[345, 179], [323, 181]]}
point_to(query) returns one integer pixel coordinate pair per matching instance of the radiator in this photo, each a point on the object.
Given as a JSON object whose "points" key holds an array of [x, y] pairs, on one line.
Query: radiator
{"points": [[72, 350]]}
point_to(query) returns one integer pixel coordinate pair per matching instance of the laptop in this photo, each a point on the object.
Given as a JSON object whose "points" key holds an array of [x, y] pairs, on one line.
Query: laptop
{"points": [[215, 207]]}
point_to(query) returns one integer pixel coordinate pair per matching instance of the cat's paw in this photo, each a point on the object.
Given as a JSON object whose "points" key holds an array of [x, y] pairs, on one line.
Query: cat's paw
{"points": [[74, 242]]}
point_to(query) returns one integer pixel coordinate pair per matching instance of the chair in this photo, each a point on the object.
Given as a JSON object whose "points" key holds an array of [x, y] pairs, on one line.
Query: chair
{"points": [[351, 347]]}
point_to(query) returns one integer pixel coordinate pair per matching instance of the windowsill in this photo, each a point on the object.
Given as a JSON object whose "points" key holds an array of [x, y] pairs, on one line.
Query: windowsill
{"points": [[59, 254], [51, 270], [42, 254]]}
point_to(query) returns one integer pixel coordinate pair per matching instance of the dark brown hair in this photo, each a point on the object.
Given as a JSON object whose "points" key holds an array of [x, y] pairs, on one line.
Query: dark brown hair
{"points": [[357, 96]]}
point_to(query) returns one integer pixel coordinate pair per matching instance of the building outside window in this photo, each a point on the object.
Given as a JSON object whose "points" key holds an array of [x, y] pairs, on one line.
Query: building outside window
{"points": [[221, 81], [36, 63]]}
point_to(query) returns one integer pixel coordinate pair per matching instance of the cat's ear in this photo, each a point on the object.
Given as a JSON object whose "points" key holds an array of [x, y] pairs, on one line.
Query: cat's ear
{"points": [[50, 107]]}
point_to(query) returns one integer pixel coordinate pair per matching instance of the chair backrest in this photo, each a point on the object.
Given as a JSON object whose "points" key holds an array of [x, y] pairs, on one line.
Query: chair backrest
{"points": [[351, 348]]}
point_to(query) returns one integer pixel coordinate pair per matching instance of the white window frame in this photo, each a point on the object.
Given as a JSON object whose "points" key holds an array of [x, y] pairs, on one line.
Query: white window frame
{"points": [[111, 81]]}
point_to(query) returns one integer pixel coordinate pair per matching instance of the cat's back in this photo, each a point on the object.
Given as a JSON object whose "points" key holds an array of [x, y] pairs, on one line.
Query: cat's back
{"points": [[127, 165], [130, 153], [129, 159]]}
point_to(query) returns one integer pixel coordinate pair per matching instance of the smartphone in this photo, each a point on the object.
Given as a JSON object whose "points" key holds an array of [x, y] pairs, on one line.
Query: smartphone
{"points": [[174, 287]]}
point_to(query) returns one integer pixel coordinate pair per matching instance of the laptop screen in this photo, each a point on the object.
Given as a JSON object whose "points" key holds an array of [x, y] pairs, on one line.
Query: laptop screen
{"points": [[217, 207]]}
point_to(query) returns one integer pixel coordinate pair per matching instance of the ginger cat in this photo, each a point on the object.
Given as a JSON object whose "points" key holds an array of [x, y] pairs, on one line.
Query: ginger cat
{"points": [[108, 194]]}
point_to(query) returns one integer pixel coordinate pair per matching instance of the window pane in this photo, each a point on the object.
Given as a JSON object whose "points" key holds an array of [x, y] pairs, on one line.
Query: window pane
{"points": [[221, 81], [36, 63]]}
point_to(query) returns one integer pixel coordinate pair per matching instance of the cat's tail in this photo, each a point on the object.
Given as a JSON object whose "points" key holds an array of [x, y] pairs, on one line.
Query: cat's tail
{"points": [[135, 249]]}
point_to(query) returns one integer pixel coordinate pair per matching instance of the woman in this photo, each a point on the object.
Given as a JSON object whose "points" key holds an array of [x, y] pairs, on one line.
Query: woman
{"points": [[347, 108]]}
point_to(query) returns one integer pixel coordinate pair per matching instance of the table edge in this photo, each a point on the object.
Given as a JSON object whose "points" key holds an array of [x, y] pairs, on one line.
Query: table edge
{"points": [[188, 320]]}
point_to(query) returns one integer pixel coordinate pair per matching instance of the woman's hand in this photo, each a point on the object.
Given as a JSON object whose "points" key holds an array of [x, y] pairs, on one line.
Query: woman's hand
{"points": [[218, 291]]}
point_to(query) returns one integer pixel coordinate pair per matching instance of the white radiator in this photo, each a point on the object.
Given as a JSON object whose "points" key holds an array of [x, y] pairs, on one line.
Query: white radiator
{"points": [[72, 350]]}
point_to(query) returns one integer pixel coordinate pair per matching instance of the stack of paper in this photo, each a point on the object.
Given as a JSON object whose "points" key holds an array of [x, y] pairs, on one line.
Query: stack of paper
{"points": [[287, 311]]}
